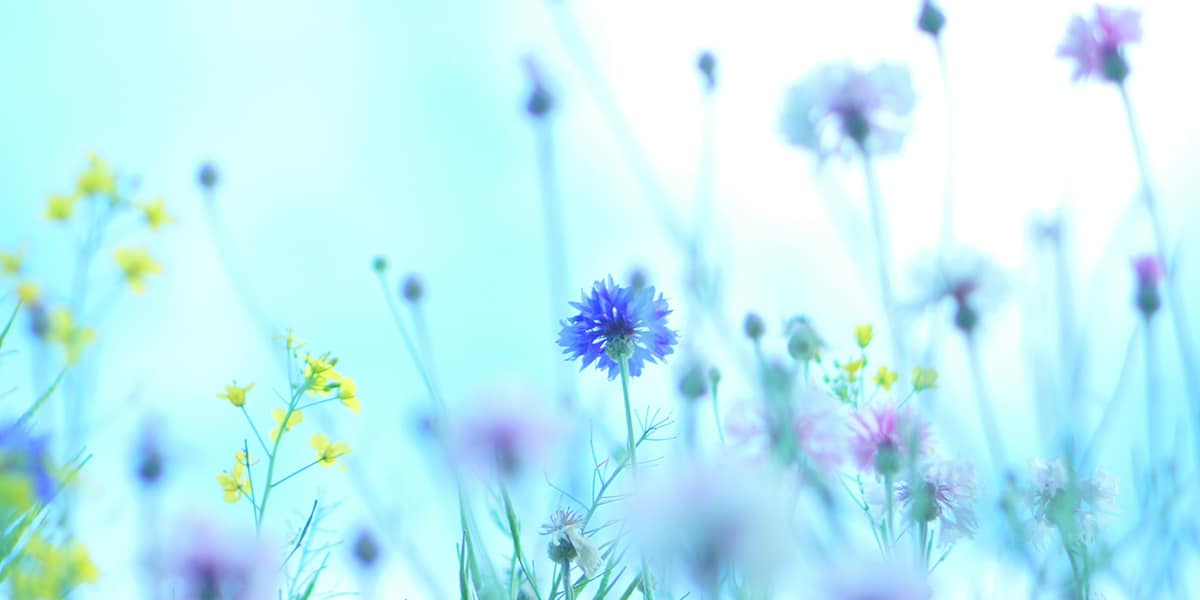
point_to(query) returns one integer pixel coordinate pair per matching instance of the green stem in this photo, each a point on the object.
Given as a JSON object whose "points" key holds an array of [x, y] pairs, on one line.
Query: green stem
{"points": [[717, 414], [514, 529], [262, 507], [568, 589], [888, 523], [409, 344], [1152, 402], [631, 446], [256, 435], [883, 255], [296, 472]]}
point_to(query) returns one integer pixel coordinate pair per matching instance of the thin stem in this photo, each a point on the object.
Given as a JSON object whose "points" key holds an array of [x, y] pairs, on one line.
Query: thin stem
{"points": [[409, 345], [514, 529], [249, 477], [1174, 295], [889, 524], [1153, 401], [987, 416], [568, 589], [296, 472], [883, 259], [256, 434], [262, 507], [631, 447], [948, 224], [554, 225], [717, 413]]}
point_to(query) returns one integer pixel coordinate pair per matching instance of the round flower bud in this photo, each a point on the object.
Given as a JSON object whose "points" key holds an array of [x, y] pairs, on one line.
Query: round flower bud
{"points": [[1116, 68], [150, 465], [931, 20], [366, 549], [560, 550], [887, 459], [638, 279], [694, 383], [540, 102], [714, 376], [754, 326], [207, 176], [380, 264], [412, 289], [1148, 300], [965, 317], [707, 64]]}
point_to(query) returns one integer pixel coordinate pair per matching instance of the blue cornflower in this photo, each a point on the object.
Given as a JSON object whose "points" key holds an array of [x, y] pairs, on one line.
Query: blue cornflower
{"points": [[22, 452], [616, 322]]}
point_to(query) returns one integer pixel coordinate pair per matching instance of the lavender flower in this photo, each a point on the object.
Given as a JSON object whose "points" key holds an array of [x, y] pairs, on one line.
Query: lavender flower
{"points": [[212, 562], [814, 420], [616, 323], [1096, 45], [504, 433], [25, 454], [885, 436], [838, 105], [1076, 506], [972, 279], [946, 494], [1150, 272]]}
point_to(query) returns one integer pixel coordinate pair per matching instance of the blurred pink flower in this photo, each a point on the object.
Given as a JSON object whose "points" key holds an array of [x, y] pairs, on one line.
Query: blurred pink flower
{"points": [[838, 107], [505, 433], [213, 561], [1150, 269], [1095, 45], [816, 420], [885, 436]]}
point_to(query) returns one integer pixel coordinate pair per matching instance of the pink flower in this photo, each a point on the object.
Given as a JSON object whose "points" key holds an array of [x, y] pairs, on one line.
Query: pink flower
{"points": [[1149, 269], [885, 436], [1095, 45], [814, 420], [946, 496], [504, 434], [838, 106]]}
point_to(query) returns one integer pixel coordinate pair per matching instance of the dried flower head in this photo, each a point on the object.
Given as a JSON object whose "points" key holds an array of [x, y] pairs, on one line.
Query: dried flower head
{"points": [[569, 544]]}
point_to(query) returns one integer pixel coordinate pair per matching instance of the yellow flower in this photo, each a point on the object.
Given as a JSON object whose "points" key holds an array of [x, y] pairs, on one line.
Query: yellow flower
{"points": [[29, 293], [924, 378], [328, 453], [863, 334], [236, 395], [65, 331], [61, 208], [347, 392], [137, 264], [852, 368], [81, 565], [11, 263], [279, 413], [885, 378], [234, 483], [97, 179], [318, 373], [155, 213]]}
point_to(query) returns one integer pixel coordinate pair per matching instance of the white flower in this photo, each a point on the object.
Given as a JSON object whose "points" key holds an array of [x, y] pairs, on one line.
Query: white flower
{"points": [[1076, 506], [565, 533]]}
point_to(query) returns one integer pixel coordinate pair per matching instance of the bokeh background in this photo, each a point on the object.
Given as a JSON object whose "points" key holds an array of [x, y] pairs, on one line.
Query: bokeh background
{"points": [[346, 130]]}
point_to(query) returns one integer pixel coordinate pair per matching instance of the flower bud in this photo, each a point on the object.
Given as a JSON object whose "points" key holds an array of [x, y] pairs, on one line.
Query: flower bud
{"points": [[380, 264], [207, 176], [931, 20], [412, 288], [694, 383], [707, 64], [366, 549], [754, 326], [1116, 68]]}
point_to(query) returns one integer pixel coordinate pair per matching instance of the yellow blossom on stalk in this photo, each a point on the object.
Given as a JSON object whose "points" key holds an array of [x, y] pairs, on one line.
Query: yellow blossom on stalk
{"points": [[234, 483], [97, 179], [347, 392], [65, 331], [863, 334], [236, 395], [328, 453], [61, 208], [29, 292], [885, 378], [11, 263], [155, 213], [924, 378], [137, 264], [852, 368], [318, 373], [279, 413]]}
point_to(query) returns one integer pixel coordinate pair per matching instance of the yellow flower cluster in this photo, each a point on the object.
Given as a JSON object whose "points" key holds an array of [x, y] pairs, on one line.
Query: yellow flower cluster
{"points": [[49, 572], [236, 395], [320, 377], [234, 482], [137, 265], [73, 337]]}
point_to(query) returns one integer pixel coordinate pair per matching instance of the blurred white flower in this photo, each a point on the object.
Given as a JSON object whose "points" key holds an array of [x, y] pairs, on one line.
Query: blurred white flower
{"points": [[506, 431], [946, 495], [974, 281], [1076, 506], [815, 423], [838, 107]]}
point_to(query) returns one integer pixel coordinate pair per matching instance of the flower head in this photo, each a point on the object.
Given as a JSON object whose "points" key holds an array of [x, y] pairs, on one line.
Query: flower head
{"points": [[293, 419], [25, 471], [814, 422], [137, 265], [1064, 499], [61, 208], [885, 437], [885, 378], [971, 279], [504, 434], [1150, 272], [327, 452], [11, 263], [568, 543], [863, 335], [29, 292], [347, 393], [944, 493], [97, 179], [234, 483], [924, 378], [74, 338], [208, 561], [803, 342], [236, 395], [617, 323], [1096, 45], [155, 213], [839, 105]]}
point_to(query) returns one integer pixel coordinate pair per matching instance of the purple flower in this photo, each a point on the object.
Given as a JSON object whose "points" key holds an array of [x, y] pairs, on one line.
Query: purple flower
{"points": [[1150, 269], [503, 433], [885, 437], [26, 454], [816, 426], [1096, 45], [209, 561], [839, 105], [946, 494], [616, 322]]}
